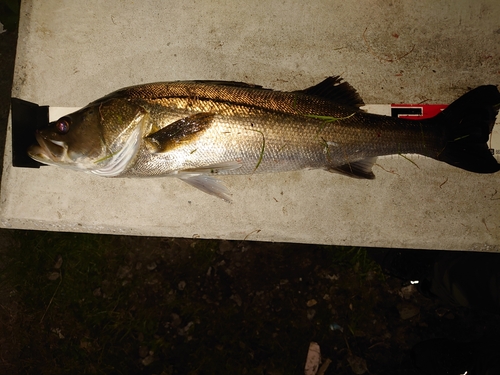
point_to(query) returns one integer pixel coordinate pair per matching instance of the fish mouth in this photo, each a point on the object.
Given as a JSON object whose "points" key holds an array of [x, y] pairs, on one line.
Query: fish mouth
{"points": [[48, 151]]}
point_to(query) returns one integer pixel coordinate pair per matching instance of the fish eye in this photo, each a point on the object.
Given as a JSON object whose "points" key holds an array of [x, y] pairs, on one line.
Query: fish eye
{"points": [[62, 125]]}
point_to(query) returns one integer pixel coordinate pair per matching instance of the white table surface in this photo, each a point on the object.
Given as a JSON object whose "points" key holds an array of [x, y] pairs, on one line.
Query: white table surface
{"points": [[70, 53]]}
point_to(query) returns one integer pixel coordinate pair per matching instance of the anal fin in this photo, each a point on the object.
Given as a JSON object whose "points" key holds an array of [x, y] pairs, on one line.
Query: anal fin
{"points": [[357, 169]]}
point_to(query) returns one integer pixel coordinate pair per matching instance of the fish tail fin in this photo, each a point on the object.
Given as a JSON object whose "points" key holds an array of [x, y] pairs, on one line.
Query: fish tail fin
{"points": [[466, 125]]}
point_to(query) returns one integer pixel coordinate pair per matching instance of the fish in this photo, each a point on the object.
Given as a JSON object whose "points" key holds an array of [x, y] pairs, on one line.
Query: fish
{"points": [[199, 130]]}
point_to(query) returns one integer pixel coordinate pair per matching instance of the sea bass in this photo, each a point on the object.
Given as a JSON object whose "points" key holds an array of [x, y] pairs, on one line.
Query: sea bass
{"points": [[196, 130]]}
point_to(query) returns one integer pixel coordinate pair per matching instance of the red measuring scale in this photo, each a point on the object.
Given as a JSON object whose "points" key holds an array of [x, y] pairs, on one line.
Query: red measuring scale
{"points": [[416, 111]]}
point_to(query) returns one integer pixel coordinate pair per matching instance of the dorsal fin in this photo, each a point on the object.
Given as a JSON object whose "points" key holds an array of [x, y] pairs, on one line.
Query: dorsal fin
{"points": [[230, 84], [334, 90]]}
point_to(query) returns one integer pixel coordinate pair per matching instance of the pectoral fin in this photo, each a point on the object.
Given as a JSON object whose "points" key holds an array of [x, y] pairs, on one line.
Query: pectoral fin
{"points": [[180, 131], [358, 169]]}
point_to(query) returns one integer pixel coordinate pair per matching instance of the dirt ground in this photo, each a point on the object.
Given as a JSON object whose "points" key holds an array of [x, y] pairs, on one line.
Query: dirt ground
{"points": [[76, 303], [96, 304]]}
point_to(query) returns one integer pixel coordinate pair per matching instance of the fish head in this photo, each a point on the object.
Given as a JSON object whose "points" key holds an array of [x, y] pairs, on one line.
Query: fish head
{"points": [[101, 138]]}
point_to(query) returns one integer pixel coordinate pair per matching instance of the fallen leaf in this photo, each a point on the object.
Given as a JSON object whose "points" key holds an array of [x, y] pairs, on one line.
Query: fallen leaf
{"points": [[53, 276], [407, 311], [59, 262], [311, 302], [313, 359], [358, 364]]}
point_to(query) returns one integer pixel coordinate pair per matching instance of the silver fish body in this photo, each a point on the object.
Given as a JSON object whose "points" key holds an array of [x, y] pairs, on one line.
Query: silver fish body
{"points": [[196, 130]]}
